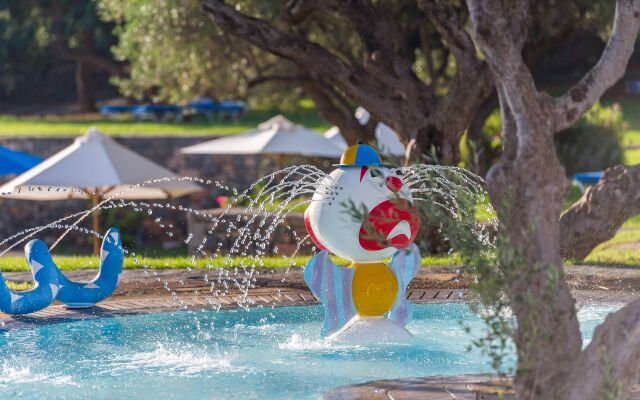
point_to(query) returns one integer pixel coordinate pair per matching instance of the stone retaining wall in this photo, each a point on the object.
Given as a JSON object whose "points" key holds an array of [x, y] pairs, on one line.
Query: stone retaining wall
{"points": [[282, 241], [239, 171], [235, 171]]}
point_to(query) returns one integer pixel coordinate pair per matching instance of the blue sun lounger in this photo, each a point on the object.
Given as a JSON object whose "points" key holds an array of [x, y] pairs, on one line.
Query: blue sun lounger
{"points": [[116, 110], [581, 179], [157, 112], [210, 108]]}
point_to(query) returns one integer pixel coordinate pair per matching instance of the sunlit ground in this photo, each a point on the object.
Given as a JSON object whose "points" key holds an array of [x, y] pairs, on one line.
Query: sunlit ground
{"points": [[77, 125]]}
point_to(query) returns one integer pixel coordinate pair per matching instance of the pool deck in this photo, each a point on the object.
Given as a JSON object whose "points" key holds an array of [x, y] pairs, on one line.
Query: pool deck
{"points": [[189, 300], [462, 387], [466, 387], [142, 291]]}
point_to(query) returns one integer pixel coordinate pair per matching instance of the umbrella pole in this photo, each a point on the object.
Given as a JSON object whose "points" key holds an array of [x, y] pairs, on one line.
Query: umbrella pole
{"points": [[95, 200], [280, 159]]}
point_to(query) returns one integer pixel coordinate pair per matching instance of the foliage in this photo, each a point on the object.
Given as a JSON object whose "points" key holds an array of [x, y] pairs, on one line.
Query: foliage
{"points": [[23, 48], [594, 143], [176, 54], [31, 31]]}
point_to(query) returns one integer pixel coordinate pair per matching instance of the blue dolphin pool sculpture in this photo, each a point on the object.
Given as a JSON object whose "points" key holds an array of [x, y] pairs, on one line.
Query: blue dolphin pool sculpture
{"points": [[51, 284], [45, 275], [82, 295]]}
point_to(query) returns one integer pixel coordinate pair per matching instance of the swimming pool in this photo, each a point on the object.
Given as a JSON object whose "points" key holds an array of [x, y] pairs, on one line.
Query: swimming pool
{"points": [[258, 354]]}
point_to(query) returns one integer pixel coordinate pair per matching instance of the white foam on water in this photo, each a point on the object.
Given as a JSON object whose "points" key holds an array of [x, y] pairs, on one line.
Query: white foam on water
{"points": [[11, 374], [298, 343], [180, 361], [595, 312]]}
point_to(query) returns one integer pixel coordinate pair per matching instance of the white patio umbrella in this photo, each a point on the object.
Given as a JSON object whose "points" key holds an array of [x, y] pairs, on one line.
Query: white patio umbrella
{"points": [[334, 135], [94, 167], [386, 137], [276, 137]]}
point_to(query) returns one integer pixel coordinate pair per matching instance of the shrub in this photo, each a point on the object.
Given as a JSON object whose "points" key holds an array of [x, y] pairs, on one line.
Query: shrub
{"points": [[594, 142]]}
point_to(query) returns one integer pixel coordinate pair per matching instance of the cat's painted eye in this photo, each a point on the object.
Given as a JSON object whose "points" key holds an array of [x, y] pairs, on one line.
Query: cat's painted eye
{"points": [[375, 172], [399, 172]]}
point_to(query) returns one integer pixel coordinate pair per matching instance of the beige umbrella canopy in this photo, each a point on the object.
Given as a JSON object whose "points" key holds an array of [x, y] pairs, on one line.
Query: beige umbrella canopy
{"points": [[277, 137], [95, 167], [388, 141]]}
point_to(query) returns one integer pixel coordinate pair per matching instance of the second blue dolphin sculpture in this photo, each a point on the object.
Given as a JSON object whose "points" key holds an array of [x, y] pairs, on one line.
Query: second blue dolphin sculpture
{"points": [[51, 284]]}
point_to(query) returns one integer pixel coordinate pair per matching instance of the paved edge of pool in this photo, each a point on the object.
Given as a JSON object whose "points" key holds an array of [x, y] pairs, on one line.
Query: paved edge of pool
{"points": [[265, 297], [438, 387]]}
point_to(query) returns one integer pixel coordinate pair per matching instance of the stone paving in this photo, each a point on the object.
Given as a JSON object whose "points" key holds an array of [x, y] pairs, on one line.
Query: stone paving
{"points": [[462, 387], [278, 297], [465, 387]]}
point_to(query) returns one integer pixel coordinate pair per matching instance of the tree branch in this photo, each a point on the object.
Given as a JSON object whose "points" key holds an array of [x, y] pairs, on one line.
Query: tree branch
{"points": [[98, 62], [385, 48], [307, 55], [446, 22], [600, 212], [607, 71], [496, 31], [299, 10], [335, 110], [609, 364], [63, 51], [277, 78]]}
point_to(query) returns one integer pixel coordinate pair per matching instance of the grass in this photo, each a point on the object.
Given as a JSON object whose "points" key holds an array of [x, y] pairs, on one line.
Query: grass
{"points": [[623, 249], [77, 125], [631, 137], [69, 263]]}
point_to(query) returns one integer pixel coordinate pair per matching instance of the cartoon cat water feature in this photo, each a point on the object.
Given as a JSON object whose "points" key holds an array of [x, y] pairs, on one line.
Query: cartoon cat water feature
{"points": [[51, 284], [366, 301]]}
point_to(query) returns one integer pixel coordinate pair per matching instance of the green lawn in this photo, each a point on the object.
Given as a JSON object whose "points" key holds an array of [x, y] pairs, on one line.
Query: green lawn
{"points": [[623, 249], [78, 125], [68, 263], [631, 137]]}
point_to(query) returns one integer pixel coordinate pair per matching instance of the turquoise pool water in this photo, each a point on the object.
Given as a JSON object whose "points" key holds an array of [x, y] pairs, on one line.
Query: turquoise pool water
{"points": [[258, 354]]}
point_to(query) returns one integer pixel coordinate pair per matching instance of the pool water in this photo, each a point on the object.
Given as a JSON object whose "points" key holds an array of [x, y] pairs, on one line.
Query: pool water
{"points": [[258, 354]]}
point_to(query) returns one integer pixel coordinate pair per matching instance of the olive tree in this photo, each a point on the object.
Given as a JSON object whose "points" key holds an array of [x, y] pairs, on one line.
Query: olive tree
{"points": [[527, 188]]}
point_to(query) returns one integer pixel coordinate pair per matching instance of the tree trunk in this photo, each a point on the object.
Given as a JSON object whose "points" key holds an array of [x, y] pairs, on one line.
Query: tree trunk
{"points": [[436, 146], [527, 189], [600, 212], [481, 155], [85, 85], [85, 88], [538, 293]]}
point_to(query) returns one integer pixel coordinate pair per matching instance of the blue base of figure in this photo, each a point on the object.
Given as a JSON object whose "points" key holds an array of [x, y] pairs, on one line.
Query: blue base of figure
{"points": [[331, 285], [51, 284]]}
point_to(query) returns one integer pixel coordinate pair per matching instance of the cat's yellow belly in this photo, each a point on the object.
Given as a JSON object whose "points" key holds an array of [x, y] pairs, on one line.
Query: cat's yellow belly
{"points": [[374, 289]]}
